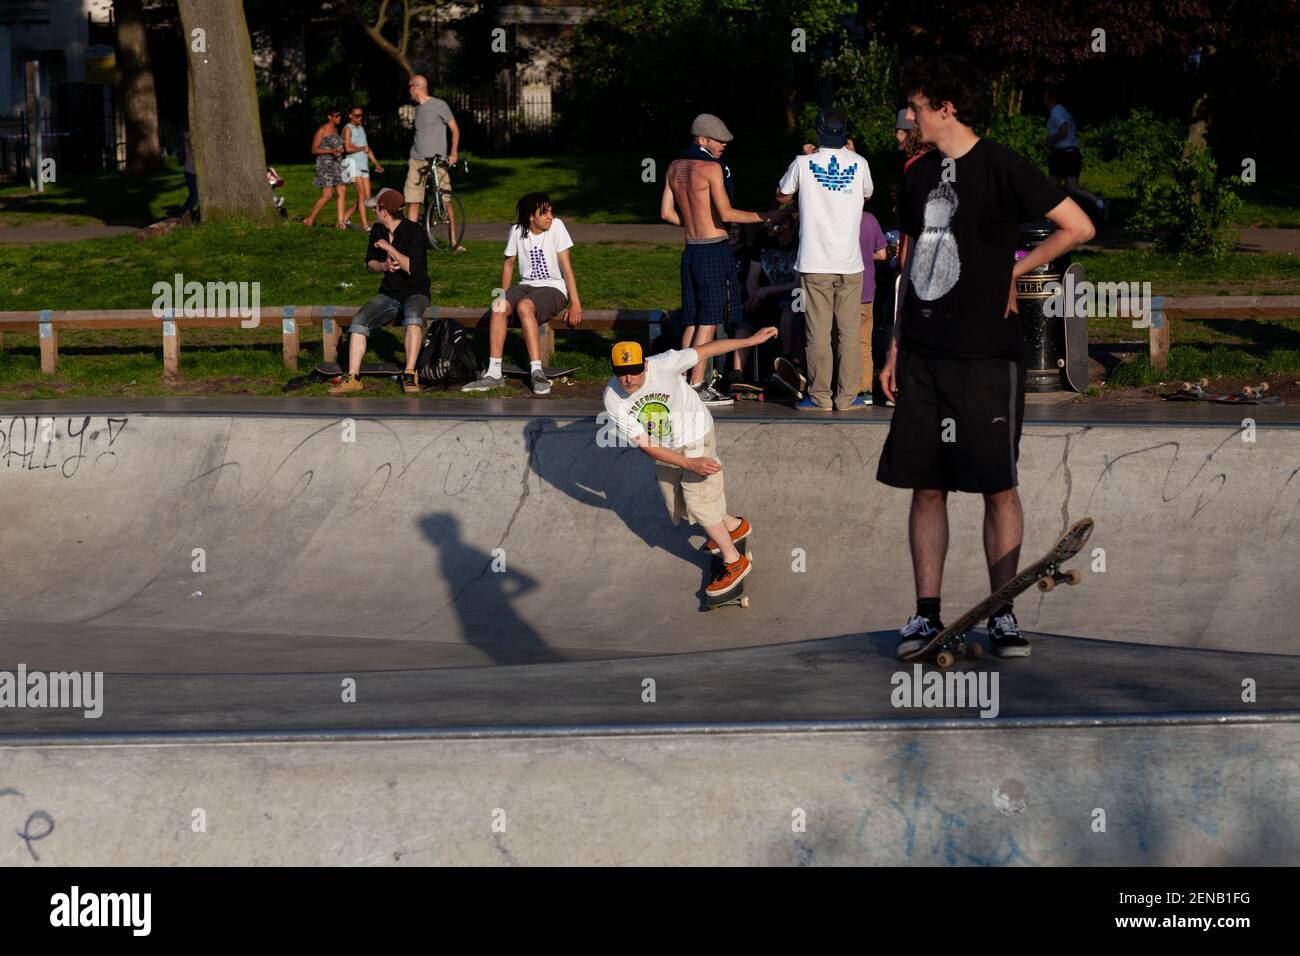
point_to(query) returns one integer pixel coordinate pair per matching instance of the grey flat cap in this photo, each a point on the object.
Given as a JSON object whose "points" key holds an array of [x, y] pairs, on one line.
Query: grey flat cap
{"points": [[706, 124], [903, 122]]}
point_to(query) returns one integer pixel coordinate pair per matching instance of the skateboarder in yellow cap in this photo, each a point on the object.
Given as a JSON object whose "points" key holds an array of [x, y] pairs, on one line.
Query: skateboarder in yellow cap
{"points": [[654, 408]]}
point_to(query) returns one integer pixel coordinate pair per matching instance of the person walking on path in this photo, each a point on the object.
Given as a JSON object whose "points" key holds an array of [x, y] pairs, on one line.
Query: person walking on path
{"points": [[1064, 161], [546, 288], [327, 147], [433, 120], [398, 251], [358, 156], [833, 183], [956, 362], [652, 408], [697, 196]]}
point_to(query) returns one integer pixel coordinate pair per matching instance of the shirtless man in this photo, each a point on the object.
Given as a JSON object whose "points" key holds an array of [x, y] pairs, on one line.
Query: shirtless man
{"points": [[697, 195]]}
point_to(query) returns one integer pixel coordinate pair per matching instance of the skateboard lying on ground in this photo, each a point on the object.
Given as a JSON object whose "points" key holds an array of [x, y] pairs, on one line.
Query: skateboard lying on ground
{"points": [[744, 392], [551, 372], [736, 595], [1196, 392], [334, 370], [951, 642]]}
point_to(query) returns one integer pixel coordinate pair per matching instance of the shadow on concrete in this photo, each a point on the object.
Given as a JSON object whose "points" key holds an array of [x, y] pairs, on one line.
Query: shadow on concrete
{"points": [[483, 597], [619, 480]]}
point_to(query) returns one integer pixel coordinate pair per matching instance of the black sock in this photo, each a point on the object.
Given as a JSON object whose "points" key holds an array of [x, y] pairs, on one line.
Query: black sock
{"points": [[928, 608], [1004, 609]]}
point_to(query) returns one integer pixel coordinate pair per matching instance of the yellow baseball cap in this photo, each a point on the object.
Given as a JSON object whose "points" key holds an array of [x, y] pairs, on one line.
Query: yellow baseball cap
{"points": [[627, 358]]}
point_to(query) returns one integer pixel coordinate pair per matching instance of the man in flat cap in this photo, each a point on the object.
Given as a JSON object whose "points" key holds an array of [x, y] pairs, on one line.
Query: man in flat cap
{"points": [[697, 195]]}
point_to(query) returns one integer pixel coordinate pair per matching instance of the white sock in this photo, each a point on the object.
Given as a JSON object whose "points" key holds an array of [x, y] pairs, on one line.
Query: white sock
{"points": [[493, 369], [534, 367]]}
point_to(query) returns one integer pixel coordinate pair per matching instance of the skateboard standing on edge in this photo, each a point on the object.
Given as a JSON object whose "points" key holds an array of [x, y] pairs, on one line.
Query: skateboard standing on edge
{"points": [[1075, 366], [951, 642], [736, 595]]}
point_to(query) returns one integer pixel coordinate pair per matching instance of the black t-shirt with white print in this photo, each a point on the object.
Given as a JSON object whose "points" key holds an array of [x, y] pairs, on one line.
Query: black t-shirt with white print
{"points": [[963, 248]]}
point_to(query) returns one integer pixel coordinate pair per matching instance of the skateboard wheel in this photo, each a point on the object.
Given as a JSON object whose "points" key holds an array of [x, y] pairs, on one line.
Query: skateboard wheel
{"points": [[1046, 584], [744, 601], [1074, 577], [944, 659], [974, 650]]}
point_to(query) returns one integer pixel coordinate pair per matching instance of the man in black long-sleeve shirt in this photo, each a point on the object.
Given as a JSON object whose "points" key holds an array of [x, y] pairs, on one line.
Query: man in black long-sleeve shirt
{"points": [[397, 248]]}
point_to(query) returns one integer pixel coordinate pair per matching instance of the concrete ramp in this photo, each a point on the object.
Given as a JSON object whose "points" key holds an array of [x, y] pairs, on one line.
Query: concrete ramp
{"points": [[513, 611]]}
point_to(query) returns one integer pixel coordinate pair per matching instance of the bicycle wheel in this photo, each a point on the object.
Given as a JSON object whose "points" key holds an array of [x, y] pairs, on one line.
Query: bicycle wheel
{"points": [[438, 223]]}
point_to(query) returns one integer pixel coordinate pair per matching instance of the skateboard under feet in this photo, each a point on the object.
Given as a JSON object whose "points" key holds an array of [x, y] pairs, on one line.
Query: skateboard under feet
{"points": [[953, 641], [736, 595]]}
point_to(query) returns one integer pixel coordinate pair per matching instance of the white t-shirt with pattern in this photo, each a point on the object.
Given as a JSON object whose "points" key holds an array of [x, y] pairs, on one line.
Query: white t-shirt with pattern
{"points": [[539, 255], [665, 408]]}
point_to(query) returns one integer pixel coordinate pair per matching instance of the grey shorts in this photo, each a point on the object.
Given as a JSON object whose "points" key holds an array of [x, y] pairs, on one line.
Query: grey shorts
{"points": [[383, 309], [547, 302]]}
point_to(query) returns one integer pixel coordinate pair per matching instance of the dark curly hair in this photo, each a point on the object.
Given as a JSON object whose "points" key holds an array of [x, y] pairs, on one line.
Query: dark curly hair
{"points": [[953, 79]]}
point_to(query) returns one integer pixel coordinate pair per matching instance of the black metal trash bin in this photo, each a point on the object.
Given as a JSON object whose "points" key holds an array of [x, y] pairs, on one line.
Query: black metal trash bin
{"points": [[1044, 336]]}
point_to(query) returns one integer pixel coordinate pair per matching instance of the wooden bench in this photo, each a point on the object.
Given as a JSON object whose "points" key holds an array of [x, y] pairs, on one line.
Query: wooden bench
{"points": [[330, 319], [1267, 308]]}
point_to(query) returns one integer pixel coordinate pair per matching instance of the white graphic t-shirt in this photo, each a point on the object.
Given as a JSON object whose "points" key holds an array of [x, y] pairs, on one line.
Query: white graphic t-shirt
{"points": [[539, 262], [1059, 117], [832, 185], [665, 408]]}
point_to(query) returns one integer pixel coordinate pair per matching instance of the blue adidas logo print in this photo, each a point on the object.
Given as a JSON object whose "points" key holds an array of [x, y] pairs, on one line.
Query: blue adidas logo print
{"points": [[832, 177]]}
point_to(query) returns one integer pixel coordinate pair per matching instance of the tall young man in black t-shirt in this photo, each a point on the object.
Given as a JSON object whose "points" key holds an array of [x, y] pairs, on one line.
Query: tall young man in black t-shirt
{"points": [[956, 361], [396, 249]]}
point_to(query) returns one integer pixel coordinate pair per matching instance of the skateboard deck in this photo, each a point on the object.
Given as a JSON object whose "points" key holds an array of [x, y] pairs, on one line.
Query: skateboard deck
{"points": [[951, 642], [1075, 368], [736, 595], [1196, 392], [552, 372], [744, 392], [333, 369]]}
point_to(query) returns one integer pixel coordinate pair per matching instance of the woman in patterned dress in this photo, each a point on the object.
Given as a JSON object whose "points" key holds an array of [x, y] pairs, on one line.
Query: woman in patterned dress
{"points": [[327, 147]]}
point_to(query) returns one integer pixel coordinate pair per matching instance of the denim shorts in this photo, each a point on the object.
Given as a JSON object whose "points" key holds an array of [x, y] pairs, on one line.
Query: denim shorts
{"points": [[383, 309]]}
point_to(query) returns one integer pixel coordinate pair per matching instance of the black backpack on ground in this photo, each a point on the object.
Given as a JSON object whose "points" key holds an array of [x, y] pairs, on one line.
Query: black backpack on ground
{"points": [[445, 358]]}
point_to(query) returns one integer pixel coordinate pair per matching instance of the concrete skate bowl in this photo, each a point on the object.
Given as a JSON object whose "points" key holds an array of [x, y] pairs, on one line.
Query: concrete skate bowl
{"points": [[227, 572]]}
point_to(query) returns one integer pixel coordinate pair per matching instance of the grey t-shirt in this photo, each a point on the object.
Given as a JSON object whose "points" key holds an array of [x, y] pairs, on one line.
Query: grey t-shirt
{"points": [[431, 119]]}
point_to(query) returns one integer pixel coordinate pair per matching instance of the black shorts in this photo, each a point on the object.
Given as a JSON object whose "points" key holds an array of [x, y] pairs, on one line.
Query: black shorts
{"points": [[1063, 163], [957, 424]]}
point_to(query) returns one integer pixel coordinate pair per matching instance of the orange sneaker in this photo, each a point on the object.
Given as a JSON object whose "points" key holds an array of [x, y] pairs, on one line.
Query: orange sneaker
{"points": [[729, 578], [740, 534], [345, 384]]}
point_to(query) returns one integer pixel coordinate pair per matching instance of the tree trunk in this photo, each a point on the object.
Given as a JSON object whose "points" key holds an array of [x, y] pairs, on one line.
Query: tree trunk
{"points": [[143, 151], [225, 128]]}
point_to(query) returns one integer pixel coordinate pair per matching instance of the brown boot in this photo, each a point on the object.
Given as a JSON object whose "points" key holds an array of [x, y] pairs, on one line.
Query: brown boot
{"points": [[345, 384], [729, 578], [411, 382], [740, 534]]}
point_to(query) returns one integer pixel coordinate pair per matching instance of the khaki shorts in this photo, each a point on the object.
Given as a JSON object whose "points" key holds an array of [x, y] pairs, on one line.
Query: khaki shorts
{"points": [[413, 191], [700, 498]]}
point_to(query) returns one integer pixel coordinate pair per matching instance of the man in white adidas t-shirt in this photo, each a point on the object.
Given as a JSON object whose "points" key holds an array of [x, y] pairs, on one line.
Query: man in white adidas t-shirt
{"points": [[653, 407], [541, 244], [832, 183]]}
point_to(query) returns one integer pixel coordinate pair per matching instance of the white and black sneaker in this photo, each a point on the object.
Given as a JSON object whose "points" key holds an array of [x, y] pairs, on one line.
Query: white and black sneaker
{"points": [[1004, 635], [709, 397], [916, 633]]}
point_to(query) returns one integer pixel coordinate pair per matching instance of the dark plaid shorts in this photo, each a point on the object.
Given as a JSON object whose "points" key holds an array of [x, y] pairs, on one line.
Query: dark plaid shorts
{"points": [[710, 288]]}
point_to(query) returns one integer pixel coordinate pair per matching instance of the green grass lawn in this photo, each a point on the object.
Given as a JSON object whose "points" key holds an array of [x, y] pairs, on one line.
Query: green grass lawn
{"points": [[298, 266]]}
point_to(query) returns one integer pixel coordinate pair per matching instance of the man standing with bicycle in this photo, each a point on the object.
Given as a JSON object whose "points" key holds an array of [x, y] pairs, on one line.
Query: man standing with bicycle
{"points": [[433, 118]]}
